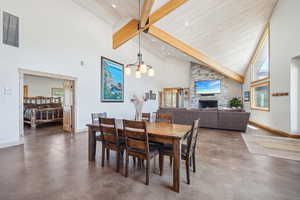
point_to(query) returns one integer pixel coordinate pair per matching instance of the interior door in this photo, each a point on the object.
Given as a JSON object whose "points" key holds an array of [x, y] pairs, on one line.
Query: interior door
{"points": [[25, 90], [68, 106]]}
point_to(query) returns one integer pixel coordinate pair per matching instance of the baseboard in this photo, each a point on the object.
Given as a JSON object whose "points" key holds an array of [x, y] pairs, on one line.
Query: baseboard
{"points": [[275, 131], [11, 143], [83, 130]]}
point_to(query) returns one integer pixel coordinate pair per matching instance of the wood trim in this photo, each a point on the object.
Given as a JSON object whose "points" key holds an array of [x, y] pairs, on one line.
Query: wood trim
{"points": [[148, 4], [258, 47], [260, 84], [169, 39], [252, 87], [275, 131], [263, 79], [261, 109], [131, 29], [265, 35]]}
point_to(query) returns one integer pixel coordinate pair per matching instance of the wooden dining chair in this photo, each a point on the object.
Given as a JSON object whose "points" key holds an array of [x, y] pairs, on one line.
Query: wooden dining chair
{"points": [[187, 150], [163, 117], [111, 139], [95, 120], [146, 117], [137, 144]]}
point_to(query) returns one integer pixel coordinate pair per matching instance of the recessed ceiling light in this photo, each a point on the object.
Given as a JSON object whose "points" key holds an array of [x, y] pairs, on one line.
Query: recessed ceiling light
{"points": [[113, 5], [186, 23]]}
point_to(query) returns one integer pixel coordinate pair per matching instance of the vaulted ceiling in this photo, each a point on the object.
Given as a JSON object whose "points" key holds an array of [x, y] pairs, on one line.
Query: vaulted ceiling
{"points": [[226, 31]]}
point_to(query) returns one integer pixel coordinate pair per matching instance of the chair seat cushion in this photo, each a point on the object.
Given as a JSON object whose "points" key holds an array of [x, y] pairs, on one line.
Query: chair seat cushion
{"points": [[153, 150], [168, 149]]}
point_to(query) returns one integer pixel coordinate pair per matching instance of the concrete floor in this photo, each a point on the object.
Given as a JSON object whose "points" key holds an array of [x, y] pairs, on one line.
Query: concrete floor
{"points": [[54, 165]]}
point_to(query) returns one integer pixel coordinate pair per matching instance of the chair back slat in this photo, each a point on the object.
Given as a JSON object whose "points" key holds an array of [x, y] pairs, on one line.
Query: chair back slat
{"points": [[96, 116], [108, 130], [136, 136], [129, 124], [135, 133], [136, 144], [110, 138], [163, 117], [192, 138], [146, 117]]}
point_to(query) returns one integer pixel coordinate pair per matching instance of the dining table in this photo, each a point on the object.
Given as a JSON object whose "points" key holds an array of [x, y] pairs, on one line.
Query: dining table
{"points": [[162, 132]]}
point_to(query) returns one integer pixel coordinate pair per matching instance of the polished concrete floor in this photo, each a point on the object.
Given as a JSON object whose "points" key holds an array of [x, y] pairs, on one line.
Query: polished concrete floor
{"points": [[54, 165]]}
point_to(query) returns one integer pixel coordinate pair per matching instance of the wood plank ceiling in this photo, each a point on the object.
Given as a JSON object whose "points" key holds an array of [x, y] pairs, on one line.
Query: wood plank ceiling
{"points": [[226, 31]]}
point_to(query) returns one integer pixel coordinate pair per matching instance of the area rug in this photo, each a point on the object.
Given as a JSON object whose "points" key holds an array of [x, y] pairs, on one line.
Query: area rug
{"points": [[279, 147]]}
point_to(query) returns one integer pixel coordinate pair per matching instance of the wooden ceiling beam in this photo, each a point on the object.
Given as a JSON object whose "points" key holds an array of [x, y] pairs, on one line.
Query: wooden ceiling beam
{"points": [[172, 41], [125, 33], [148, 4], [131, 29]]}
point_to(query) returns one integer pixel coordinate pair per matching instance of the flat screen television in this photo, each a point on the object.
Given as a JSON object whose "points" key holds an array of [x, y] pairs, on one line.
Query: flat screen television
{"points": [[208, 87]]}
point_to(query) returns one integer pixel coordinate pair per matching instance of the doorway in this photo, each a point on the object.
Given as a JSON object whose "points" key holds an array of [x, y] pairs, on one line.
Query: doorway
{"points": [[47, 103], [295, 95]]}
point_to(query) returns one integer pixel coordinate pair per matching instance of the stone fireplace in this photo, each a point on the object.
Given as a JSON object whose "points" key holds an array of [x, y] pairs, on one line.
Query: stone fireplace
{"points": [[208, 104], [229, 88]]}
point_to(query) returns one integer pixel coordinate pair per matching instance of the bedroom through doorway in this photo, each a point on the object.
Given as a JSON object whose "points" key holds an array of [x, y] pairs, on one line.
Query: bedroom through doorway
{"points": [[47, 102]]}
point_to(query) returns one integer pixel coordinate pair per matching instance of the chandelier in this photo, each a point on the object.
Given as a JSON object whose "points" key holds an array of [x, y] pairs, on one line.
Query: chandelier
{"points": [[139, 65]]}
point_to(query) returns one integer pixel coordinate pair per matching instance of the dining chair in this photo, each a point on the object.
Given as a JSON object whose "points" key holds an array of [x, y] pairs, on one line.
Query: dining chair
{"points": [[146, 117], [137, 144], [163, 117], [111, 139], [187, 150], [95, 120]]}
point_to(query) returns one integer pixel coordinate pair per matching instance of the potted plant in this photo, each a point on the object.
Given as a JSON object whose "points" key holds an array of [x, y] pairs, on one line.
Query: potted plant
{"points": [[236, 102]]}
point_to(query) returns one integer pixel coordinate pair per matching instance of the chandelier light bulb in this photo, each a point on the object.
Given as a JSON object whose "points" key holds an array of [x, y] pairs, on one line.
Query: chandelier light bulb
{"points": [[151, 72], [143, 68], [127, 71], [138, 74]]}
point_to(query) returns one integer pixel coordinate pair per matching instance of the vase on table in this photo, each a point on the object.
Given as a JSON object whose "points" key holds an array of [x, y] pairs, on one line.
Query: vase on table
{"points": [[138, 104]]}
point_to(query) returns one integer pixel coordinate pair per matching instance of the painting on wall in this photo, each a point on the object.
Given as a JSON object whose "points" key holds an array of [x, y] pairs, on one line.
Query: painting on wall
{"points": [[246, 96], [10, 29], [112, 81]]}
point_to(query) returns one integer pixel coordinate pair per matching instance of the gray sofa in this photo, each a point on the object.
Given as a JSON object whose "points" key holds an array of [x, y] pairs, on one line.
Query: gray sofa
{"points": [[236, 120]]}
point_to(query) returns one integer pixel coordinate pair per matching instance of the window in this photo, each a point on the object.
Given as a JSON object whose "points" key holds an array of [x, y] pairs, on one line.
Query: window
{"points": [[260, 68], [260, 96], [260, 62]]}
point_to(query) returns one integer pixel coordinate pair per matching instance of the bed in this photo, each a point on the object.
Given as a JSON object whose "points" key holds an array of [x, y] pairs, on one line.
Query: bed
{"points": [[40, 110]]}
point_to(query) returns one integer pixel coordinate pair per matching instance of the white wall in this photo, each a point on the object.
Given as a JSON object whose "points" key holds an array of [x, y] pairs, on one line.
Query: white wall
{"points": [[176, 73], [41, 86], [55, 35], [284, 45]]}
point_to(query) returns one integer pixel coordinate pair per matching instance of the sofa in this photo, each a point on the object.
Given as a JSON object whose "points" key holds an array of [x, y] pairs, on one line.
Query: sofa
{"points": [[236, 120]]}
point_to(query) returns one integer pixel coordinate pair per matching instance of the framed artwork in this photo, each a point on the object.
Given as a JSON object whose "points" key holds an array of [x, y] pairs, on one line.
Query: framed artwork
{"points": [[246, 96], [10, 29], [112, 81]]}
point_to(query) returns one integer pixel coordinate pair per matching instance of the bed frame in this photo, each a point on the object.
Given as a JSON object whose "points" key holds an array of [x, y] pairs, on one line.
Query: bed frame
{"points": [[40, 110]]}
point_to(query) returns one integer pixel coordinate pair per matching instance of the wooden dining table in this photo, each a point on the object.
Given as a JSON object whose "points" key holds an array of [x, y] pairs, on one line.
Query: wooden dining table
{"points": [[158, 132]]}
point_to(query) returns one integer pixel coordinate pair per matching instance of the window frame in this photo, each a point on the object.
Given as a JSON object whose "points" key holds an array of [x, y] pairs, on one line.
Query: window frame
{"points": [[263, 39], [253, 96]]}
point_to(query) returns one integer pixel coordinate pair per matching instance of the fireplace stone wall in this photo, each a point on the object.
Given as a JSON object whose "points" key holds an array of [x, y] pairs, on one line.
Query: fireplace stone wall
{"points": [[229, 88]]}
